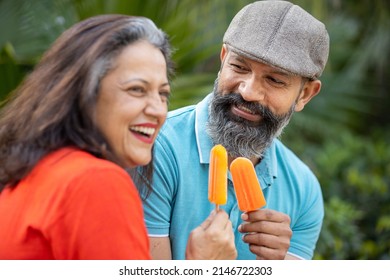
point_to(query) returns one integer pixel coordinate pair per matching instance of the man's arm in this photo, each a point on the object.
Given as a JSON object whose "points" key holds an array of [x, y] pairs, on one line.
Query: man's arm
{"points": [[160, 248], [291, 257]]}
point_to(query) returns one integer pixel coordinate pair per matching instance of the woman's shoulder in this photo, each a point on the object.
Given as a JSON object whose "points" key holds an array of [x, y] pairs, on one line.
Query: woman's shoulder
{"points": [[78, 159], [69, 163]]}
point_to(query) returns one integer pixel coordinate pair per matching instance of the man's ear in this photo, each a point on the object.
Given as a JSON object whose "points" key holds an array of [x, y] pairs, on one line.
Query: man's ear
{"points": [[223, 53], [310, 89]]}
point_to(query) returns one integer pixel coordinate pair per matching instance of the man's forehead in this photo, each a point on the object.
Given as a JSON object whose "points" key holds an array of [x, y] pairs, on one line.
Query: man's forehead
{"points": [[246, 60]]}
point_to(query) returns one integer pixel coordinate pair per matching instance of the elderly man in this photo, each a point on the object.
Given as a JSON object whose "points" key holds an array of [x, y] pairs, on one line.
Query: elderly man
{"points": [[272, 55]]}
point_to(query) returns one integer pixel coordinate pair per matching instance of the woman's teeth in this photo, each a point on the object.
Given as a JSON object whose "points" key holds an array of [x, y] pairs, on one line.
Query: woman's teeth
{"points": [[148, 131]]}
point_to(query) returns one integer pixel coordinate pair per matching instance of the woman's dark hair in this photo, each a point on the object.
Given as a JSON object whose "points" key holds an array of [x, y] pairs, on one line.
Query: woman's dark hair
{"points": [[55, 105]]}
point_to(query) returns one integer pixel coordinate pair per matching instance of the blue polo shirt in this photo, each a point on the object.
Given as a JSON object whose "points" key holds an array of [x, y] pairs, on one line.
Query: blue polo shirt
{"points": [[179, 201]]}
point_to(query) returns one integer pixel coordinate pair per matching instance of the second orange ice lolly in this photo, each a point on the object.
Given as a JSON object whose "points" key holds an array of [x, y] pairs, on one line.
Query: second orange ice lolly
{"points": [[246, 185], [217, 192]]}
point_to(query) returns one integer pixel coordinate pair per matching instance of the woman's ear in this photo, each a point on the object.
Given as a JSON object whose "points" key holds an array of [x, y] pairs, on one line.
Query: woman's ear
{"points": [[310, 89]]}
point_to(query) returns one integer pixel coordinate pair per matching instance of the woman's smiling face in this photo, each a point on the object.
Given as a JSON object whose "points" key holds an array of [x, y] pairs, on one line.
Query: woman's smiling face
{"points": [[133, 102]]}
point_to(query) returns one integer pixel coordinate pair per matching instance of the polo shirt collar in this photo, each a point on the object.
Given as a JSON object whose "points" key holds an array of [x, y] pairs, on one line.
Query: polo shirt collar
{"points": [[266, 169], [203, 141]]}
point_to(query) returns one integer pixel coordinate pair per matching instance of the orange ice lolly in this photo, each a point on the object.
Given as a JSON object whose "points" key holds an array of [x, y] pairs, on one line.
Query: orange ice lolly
{"points": [[218, 175], [246, 185]]}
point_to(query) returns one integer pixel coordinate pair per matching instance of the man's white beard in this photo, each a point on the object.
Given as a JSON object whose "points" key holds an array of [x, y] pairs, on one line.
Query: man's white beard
{"points": [[240, 137]]}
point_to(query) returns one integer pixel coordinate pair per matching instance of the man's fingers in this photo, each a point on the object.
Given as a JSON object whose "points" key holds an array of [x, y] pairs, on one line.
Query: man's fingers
{"points": [[266, 240], [279, 229], [265, 215]]}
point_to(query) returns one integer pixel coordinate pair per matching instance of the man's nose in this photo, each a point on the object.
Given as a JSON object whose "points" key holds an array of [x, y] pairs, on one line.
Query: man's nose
{"points": [[251, 90]]}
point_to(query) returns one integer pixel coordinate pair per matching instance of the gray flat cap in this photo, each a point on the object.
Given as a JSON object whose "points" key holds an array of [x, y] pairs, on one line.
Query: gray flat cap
{"points": [[280, 34]]}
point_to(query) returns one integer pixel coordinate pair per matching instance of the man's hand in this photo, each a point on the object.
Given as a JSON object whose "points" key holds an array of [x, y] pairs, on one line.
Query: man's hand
{"points": [[268, 233], [213, 239]]}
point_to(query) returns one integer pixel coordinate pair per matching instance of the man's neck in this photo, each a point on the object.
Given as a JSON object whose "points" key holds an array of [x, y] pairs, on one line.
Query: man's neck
{"points": [[253, 160]]}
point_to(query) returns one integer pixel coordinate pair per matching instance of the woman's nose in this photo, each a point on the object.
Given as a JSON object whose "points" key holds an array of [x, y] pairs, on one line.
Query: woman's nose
{"points": [[157, 106]]}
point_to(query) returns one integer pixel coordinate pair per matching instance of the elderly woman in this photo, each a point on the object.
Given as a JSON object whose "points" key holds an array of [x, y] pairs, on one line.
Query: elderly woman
{"points": [[87, 114]]}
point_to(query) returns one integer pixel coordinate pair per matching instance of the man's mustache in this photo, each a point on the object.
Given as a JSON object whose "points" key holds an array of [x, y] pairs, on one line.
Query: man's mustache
{"points": [[237, 100]]}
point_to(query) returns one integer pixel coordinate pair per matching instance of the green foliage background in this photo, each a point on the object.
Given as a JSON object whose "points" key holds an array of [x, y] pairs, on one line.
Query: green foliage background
{"points": [[343, 134]]}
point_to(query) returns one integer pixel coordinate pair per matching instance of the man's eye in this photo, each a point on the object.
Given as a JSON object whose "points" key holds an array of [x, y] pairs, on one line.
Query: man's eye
{"points": [[276, 81], [239, 67]]}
